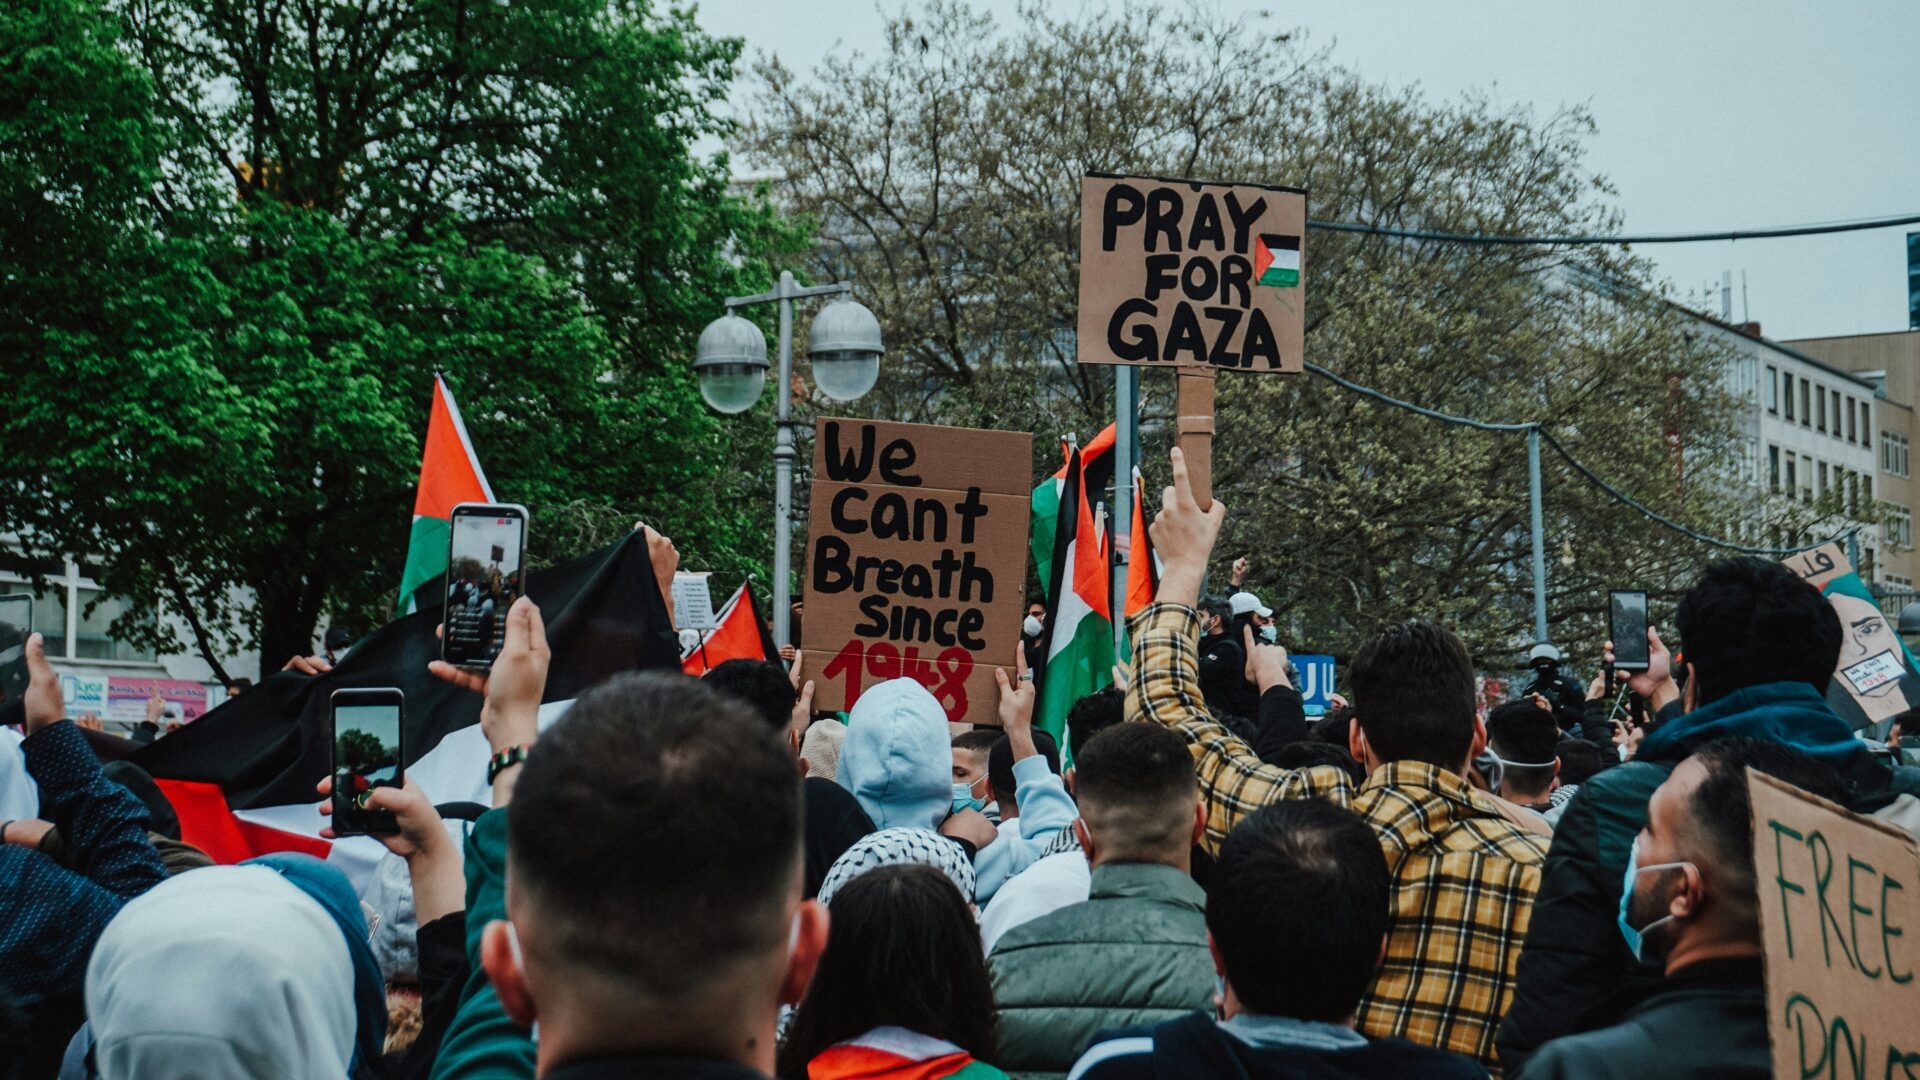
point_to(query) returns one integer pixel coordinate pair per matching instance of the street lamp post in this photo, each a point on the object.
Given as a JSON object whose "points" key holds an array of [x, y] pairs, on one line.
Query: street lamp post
{"points": [[731, 365]]}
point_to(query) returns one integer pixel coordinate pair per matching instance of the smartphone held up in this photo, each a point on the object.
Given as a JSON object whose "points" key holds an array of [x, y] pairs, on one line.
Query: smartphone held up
{"points": [[486, 573], [368, 752], [1627, 627]]}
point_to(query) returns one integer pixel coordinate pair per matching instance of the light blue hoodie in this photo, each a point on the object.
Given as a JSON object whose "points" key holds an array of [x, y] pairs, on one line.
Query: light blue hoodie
{"points": [[897, 759]]}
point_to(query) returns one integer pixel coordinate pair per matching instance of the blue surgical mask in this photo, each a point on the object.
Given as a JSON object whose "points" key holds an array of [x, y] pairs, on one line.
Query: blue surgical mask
{"points": [[963, 799], [1637, 938], [1270, 633]]}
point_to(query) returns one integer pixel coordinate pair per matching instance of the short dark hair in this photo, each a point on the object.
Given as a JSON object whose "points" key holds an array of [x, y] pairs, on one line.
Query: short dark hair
{"points": [[1413, 695], [1750, 621], [1136, 790], [1334, 727], [1298, 909], [656, 831], [1721, 809], [1093, 714], [1000, 764], [903, 951], [762, 684], [1520, 731], [1579, 759], [1217, 605], [241, 683], [1311, 752], [979, 740]]}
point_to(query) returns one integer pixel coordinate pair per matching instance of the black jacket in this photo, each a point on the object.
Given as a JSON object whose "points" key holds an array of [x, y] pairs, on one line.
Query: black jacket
{"points": [[835, 822], [1194, 1047], [1223, 677], [1707, 1019]]}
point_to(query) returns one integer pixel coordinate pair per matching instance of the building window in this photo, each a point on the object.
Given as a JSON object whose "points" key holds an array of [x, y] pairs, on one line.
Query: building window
{"points": [[1893, 454], [67, 590], [1853, 427], [1806, 403], [1820, 406], [1773, 467], [1822, 487], [1900, 527], [1836, 413], [1789, 394], [1793, 483], [1773, 389]]}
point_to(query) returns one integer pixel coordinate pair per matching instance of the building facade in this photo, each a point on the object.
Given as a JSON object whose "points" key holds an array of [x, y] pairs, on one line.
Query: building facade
{"points": [[1891, 364]]}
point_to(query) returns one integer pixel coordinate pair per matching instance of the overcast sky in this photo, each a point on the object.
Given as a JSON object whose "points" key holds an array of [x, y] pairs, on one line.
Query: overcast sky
{"points": [[1712, 115]]}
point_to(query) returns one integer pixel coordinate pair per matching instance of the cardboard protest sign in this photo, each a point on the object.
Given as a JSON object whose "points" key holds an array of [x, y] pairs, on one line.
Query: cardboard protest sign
{"points": [[916, 561], [1875, 678], [1175, 272], [1840, 927]]}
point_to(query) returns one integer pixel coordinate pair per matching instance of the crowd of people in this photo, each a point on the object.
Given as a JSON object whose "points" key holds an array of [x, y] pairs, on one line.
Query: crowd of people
{"points": [[698, 879]]}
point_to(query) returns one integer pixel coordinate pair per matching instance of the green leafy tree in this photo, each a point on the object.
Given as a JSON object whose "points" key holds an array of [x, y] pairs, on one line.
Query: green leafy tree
{"points": [[943, 172], [317, 206]]}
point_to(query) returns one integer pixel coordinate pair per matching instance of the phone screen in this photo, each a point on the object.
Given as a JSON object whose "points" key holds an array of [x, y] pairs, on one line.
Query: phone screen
{"points": [[485, 575], [16, 623], [1628, 629], [366, 755]]}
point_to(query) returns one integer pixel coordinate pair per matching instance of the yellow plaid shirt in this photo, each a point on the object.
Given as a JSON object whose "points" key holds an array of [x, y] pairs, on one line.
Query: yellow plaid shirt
{"points": [[1464, 875]]}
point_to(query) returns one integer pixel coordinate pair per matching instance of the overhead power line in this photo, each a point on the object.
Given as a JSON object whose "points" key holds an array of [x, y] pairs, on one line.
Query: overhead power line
{"points": [[1602, 240], [1579, 466]]}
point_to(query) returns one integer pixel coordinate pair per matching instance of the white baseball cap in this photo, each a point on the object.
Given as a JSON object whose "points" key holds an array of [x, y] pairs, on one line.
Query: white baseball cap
{"points": [[1243, 602]]}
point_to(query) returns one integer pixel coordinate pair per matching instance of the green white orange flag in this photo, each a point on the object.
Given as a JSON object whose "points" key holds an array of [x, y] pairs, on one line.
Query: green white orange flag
{"points": [[1079, 635], [450, 474], [1097, 458]]}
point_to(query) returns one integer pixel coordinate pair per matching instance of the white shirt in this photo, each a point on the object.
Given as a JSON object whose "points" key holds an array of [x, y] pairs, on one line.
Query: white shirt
{"points": [[1047, 886]]}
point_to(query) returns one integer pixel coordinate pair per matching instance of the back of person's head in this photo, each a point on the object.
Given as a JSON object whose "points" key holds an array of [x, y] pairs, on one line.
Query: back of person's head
{"points": [[761, 684], [654, 850], [229, 972], [977, 741], [897, 759], [1298, 910], [1524, 737], [1750, 621], [1000, 765], [1309, 753], [1333, 727], [1137, 795], [1579, 759], [903, 951], [1413, 695], [1093, 714], [1720, 813], [899, 847]]}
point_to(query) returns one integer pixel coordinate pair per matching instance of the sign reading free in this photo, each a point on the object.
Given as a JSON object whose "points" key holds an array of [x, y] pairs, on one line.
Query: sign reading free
{"points": [[1840, 927], [1177, 272], [916, 561]]}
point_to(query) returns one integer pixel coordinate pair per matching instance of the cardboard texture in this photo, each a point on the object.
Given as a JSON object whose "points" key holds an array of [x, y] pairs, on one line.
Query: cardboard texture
{"points": [[1840, 926], [916, 561], [1180, 272], [1874, 679]]}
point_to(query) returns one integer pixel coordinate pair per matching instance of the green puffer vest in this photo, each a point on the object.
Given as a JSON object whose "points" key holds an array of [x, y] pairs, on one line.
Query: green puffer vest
{"points": [[1134, 953]]}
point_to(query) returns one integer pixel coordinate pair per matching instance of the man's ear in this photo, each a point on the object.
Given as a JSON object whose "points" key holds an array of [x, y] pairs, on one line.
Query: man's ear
{"points": [[809, 941], [505, 965], [1199, 822], [1689, 699], [1357, 745], [1082, 834]]}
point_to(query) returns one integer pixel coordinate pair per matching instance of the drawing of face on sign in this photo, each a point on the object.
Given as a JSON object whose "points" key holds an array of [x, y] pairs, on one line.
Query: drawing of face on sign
{"points": [[1871, 661]]}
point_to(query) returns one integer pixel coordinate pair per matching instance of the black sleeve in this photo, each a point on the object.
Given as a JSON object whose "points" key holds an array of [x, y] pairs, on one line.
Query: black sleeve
{"points": [[835, 821], [1593, 723], [443, 972], [1283, 720]]}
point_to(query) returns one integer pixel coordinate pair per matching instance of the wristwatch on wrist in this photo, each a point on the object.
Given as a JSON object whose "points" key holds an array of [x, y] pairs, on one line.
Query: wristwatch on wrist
{"points": [[513, 755]]}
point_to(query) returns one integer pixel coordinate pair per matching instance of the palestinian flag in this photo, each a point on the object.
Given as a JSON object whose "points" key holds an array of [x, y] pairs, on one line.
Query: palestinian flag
{"points": [[1097, 459], [242, 777], [893, 1053], [449, 475], [738, 634], [1078, 643], [1143, 564], [1276, 260]]}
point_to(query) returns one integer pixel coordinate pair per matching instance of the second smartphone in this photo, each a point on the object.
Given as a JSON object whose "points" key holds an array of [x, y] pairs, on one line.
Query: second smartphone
{"points": [[1627, 626], [486, 573], [367, 754]]}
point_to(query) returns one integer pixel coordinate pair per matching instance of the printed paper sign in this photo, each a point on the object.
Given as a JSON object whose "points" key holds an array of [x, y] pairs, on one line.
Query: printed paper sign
{"points": [[1175, 272], [1840, 927], [1874, 679], [692, 601], [916, 561], [1316, 682]]}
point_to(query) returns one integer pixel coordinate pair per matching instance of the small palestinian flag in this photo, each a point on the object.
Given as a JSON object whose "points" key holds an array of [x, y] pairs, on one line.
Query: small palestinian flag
{"points": [[1276, 261]]}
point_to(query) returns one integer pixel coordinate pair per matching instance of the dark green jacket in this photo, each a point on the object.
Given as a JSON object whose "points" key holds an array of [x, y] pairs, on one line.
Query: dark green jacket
{"points": [[1134, 953], [482, 1042]]}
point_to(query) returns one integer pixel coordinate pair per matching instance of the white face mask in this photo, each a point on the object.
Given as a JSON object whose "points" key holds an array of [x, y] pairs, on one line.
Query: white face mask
{"points": [[1270, 634], [1032, 627]]}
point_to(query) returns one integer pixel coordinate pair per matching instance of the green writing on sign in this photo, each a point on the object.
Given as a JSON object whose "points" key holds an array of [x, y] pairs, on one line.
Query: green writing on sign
{"points": [[1823, 1043], [1866, 893]]}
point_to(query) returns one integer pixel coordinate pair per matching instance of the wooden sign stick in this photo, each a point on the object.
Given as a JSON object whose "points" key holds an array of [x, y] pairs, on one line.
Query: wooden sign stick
{"points": [[1193, 427]]}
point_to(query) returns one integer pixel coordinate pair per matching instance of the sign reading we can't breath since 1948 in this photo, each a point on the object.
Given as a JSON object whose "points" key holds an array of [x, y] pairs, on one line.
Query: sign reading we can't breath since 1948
{"points": [[916, 562], [1174, 272]]}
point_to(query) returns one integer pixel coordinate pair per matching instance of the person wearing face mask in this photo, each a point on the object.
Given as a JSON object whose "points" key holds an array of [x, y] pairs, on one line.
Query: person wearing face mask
{"points": [[1689, 903], [1033, 634], [1223, 662], [971, 790]]}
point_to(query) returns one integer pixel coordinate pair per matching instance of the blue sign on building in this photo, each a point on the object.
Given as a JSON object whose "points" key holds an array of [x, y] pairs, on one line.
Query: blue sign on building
{"points": [[1316, 682]]}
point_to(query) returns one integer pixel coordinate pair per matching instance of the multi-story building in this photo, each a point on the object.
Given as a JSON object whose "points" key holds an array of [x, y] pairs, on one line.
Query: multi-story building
{"points": [[1891, 364]]}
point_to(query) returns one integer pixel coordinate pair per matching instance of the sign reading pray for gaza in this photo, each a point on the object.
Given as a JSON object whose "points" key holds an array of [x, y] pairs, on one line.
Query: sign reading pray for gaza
{"points": [[1181, 273]]}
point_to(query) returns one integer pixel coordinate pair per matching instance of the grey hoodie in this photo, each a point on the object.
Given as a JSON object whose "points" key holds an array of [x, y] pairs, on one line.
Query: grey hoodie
{"points": [[897, 759]]}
